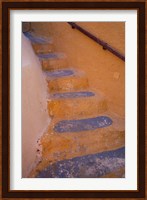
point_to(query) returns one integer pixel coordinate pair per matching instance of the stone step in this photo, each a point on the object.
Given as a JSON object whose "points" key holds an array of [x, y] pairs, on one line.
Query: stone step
{"points": [[37, 39], [66, 80], [71, 105], [59, 73], [73, 94], [88, 166], [82, 124], [57, 146], [40, 44], [43, 48], [52, 61]]}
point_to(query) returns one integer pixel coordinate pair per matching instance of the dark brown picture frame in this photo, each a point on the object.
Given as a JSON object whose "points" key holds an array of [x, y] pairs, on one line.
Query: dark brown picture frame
{"points": [[6, 7]]}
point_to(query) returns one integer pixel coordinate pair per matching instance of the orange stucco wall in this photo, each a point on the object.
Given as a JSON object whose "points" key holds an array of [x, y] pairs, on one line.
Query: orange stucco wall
{"points": [[106, 72]]}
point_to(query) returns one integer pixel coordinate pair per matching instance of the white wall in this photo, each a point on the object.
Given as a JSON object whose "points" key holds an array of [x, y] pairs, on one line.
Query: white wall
{"points": [[35, 117]]}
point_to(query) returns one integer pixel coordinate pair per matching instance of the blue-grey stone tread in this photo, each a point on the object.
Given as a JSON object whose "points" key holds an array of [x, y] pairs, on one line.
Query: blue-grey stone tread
{"points": [[37, 39], [82, 124], [51, 55], [73, 94], [88, 166], [59, 73]]}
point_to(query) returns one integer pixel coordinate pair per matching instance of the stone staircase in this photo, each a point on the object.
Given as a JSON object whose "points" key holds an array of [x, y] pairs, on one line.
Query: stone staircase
{"points": [[84, 139]]}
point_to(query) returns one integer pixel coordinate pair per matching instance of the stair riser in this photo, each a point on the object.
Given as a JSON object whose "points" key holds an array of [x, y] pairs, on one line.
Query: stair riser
{"points": [[79, 144], [42, 48], [76, 107], [68, 84], [53, 64]]}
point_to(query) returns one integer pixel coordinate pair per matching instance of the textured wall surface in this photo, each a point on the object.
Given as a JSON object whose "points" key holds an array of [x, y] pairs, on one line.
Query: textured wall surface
{"points": [[34, 104]]}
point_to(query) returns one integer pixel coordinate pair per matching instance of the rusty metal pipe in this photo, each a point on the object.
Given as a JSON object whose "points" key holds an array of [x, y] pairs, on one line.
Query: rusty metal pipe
{"points": [[105, 45]]}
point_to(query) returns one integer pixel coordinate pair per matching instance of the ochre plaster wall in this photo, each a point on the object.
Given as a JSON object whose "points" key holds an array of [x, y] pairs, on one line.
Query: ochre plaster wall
{"points": [[35, 117], [106, 72]]}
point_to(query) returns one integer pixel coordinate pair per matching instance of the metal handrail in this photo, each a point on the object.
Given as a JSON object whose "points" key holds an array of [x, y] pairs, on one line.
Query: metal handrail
{"points": [[105, 45]]}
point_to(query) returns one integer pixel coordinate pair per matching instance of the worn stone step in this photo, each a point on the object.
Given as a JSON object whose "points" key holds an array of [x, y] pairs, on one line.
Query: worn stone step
{"points": [[37, 39], [43, 48], [60, 73], [40, 44], [71, 105], [87, 166], [82, 124], [52, 61], [68, 145], [66, 80], [67, 95]]}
